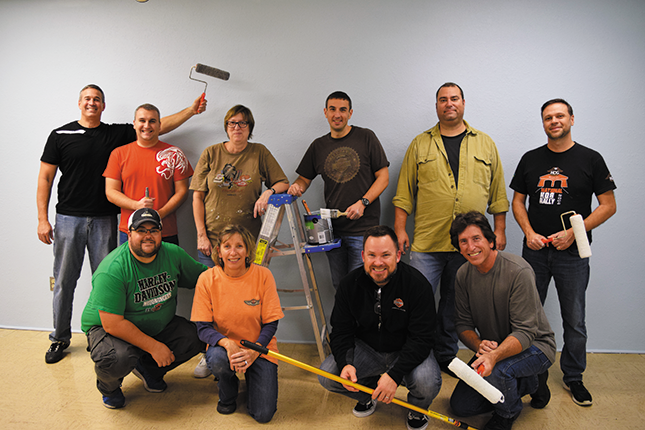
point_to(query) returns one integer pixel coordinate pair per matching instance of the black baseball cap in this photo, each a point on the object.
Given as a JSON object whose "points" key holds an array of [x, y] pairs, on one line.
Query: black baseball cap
{"points": [[140, 216]]}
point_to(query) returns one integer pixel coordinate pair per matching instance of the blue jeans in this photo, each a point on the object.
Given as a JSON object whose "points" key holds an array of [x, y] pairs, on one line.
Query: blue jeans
{"points": [[206, 260], [123, 238], [571, 275], [423, 382], [346, 258], [261, 382], [71, 236], [440, 268], [115, 358], [514, 376]]}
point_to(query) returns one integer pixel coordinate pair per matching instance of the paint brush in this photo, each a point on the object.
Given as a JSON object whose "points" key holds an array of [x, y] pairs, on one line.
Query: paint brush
{"points": [[331, 213]]}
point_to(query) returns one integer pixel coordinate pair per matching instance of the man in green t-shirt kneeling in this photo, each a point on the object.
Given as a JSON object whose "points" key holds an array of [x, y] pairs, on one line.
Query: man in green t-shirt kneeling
{"points": [[130, 318]]}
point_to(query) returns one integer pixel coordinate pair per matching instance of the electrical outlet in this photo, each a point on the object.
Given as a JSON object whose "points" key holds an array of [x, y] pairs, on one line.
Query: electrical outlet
{"points": [[51, 283]]}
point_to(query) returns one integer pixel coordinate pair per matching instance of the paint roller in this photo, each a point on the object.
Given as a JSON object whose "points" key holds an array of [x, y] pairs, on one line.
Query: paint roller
{"points": [[210, 71], [432, 414], [472, 378], [579, 233]]}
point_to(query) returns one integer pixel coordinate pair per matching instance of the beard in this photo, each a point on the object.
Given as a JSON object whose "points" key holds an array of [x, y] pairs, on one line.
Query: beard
{"points": [[385, 280], [565, 133], [138, 250]]}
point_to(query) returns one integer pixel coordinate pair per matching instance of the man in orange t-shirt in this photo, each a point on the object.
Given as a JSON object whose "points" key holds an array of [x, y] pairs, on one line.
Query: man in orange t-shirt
{"points": [[148, 173]]}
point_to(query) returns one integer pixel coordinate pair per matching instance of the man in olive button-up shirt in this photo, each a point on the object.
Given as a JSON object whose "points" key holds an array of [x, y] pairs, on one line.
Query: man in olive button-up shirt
{"points": [[449, 169]]}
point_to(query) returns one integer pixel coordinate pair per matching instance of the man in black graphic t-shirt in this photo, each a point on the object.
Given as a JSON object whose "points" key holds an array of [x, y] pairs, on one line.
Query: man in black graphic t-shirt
{"points": [[560, 177], [354, 166]]}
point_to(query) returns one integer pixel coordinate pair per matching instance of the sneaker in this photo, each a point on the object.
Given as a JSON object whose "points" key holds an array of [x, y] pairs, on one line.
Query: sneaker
{"points": [[443, 365], [55, 352], [541, 397], [115, 401], [201, 370], [498, 422], [362, 410], [226, 409], [415, 422], [579, 393], [151, 385]]}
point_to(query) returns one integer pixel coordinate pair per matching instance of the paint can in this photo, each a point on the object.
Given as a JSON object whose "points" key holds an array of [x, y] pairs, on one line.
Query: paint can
{"points": [[319, 231]]}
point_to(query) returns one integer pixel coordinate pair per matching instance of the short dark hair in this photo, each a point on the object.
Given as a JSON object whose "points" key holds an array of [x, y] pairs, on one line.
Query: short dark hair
{"points": [[447, 85], [94, 87], [247, 238], [380, 231], [554, 101], [478, 219], [246, 112], [149, 107], [340, 96]]}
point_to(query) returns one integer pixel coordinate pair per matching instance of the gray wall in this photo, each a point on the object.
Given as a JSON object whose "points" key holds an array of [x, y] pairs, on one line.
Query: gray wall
{"points": [[285, 57]]}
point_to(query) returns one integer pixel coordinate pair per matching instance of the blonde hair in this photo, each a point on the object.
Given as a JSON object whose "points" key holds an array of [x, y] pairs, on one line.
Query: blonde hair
{"points": [[247, 238]]}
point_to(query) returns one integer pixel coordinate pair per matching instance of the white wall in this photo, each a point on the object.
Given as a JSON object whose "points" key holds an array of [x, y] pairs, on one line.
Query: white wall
{"points": [[285, 57]]}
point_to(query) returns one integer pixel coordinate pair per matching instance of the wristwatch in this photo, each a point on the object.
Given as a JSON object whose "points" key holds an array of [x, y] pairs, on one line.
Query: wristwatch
{"points": [[272, 189], [365, 201]]}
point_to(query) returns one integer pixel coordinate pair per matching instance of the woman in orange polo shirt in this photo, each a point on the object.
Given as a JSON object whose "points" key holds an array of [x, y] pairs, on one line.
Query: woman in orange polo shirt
{"points": [[238, 300]]}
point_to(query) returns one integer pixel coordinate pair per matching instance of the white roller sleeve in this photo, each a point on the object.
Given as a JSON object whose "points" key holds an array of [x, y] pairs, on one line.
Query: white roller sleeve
{"points": [[470, 377], [580, 233]]}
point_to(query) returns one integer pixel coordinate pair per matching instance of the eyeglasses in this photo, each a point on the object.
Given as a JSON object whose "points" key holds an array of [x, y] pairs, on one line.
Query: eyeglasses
{"points": [[152, 231], [232, 124], [377, 307]]}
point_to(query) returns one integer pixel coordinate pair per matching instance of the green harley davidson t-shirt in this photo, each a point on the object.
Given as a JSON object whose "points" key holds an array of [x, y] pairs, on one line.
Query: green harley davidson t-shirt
{"points": [[145, 294]]}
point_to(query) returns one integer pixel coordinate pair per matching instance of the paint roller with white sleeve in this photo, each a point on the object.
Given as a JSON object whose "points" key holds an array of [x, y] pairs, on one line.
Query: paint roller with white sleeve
{"points": [[470, 377], [580, 233]]}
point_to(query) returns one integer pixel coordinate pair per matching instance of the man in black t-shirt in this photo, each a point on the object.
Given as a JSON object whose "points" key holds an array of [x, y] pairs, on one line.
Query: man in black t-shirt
{"points": [[560, 177], [84, 217], [354, 166]]}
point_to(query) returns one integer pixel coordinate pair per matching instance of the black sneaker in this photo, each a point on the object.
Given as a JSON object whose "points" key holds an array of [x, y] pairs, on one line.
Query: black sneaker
{"points": [[415, 422], [498, 422], [362, 410], [226, 409], [541, 397], [115, 401], [55, 352], [579, 393], [150, 384]]}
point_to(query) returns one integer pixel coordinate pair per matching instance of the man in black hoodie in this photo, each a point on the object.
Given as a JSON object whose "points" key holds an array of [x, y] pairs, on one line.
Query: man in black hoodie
{"points": [[383, 331]]}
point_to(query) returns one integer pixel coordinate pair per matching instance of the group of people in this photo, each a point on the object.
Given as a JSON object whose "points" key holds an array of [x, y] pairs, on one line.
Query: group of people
{"points": [[385, 329]]}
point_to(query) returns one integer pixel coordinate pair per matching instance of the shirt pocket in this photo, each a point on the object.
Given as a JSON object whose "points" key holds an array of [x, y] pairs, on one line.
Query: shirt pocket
{"points": [[482, 172], [427, 167]]}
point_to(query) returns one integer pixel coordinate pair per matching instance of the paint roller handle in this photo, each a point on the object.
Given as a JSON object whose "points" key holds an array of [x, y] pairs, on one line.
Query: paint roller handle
{"points": [[255, 347], [336, 378]]}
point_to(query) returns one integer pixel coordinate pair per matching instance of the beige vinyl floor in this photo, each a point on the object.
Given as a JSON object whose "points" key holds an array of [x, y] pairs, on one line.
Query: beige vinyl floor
{"points": [[36, 395]]}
